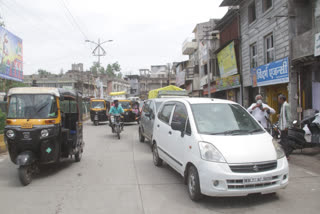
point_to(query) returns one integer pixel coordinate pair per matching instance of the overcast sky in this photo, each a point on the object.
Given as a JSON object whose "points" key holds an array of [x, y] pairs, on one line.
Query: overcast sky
{"points": [[145, 32]]}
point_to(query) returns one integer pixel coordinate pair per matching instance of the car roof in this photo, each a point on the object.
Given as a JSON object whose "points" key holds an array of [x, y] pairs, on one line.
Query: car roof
{"points": [[200, 100]]}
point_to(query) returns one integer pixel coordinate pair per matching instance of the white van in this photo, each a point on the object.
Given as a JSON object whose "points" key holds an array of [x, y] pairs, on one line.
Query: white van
{"points": [[218, 147]]}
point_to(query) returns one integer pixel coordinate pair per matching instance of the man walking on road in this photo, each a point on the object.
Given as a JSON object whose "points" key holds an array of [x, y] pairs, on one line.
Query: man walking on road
{"points": [[260, 111], [284, 122]]}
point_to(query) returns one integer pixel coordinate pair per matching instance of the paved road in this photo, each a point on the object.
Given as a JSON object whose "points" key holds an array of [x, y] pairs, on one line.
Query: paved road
{"points": [[119, 177]]}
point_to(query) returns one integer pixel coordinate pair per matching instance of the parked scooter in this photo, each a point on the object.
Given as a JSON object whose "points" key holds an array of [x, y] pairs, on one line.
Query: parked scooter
{"points": [[116, 124], [297, 138]]}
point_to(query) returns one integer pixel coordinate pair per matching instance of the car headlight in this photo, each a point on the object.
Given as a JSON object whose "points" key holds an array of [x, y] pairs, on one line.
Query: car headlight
{"points": [[44, 133], [210, 153], [279, 150], [10, 134]]}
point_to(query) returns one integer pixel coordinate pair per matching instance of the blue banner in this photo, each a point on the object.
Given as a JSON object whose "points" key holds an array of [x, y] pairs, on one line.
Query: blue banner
{"points": [[276, 72], [11, 60]]}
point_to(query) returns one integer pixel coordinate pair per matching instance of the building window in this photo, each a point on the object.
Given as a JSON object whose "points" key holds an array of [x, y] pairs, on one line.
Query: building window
{"points": [[266, 5], [253, 56], [252, 12], [269, 48]]}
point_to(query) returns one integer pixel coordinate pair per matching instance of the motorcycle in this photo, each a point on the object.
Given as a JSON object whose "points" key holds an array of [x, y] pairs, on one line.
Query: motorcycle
{"points": [[116, 124], [297, 137], [273, 129]]}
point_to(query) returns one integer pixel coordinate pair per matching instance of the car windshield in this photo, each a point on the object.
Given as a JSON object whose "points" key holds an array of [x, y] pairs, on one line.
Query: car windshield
{"points": [[97, 104], [32, 106], [125, 105], [223, 119]]}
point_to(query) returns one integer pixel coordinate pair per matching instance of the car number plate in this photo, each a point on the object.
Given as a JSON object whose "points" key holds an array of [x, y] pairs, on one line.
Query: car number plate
{"points": [[26, 126], [256, 180]]}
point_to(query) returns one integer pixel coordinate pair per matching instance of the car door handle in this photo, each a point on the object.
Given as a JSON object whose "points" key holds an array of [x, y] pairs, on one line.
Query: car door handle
{"points": [[170, 133], [158, 125]]}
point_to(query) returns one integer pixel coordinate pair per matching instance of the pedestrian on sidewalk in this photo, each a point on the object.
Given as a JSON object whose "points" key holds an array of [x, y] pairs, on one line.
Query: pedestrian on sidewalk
{"points": [[261, 111], [284, 122]]}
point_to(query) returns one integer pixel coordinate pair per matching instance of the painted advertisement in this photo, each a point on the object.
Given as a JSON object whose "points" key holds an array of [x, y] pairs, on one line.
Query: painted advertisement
{"points": [[228, 82], [11, 60], [227, 61], [276, 72]]}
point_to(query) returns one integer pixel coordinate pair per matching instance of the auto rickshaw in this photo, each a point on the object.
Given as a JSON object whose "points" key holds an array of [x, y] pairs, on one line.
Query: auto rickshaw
{"points": [[98, 110], [44, 125], [129, 116]]}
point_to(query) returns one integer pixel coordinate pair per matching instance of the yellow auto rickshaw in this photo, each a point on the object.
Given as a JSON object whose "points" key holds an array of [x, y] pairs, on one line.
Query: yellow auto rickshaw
{"points": [[98, 110], [44, 125], [129, 115]]}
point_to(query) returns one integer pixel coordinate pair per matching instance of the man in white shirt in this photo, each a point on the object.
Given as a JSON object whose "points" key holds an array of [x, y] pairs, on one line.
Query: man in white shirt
{"points": [[260, 111]]}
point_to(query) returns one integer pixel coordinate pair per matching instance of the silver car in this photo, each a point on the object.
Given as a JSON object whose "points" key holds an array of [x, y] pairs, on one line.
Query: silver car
{"points": [[148, 114]]}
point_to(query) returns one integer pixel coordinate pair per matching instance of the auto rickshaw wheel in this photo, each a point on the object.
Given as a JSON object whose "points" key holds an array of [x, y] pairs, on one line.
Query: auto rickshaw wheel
{"points": [[25, 175], [78, 156]]}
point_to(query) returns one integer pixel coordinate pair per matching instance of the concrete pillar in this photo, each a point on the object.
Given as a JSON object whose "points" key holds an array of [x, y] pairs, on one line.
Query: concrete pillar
{"points": [[245, 94], [293, 93]]}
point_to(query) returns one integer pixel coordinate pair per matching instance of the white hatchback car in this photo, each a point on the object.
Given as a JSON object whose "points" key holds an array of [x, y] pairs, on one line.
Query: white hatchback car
{"points": [[218, 147]]}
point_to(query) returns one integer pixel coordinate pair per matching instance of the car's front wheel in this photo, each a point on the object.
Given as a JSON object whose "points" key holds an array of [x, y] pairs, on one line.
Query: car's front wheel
{"points": [[194, 184], [157, 161]]}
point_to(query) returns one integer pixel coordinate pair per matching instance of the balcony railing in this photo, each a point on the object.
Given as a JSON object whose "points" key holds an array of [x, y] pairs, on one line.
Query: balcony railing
{"points": [[189, 46]]}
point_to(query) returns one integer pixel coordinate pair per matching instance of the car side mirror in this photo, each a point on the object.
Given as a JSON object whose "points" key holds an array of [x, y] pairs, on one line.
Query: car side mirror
{"points": [[178, 126], [148, 114]]}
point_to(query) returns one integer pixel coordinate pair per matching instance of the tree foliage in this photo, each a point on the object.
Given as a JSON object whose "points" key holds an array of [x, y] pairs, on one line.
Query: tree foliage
{"points": [[2, 121], [112, 70], [43, 72], [5, 85]]}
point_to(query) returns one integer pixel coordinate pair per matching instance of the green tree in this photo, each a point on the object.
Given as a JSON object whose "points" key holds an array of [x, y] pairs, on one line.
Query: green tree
{"points": [[5, 85], [96, 69], [43, 72], [113, 69]]}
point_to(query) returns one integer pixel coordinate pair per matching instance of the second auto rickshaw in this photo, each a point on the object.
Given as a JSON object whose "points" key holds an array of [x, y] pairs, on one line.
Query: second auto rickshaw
{"points": [[43, 126], [129, 115], [98, 110]]}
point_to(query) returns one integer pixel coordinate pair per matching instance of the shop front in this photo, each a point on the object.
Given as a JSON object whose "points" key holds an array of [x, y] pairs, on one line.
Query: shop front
{"points": [[272, 80]]}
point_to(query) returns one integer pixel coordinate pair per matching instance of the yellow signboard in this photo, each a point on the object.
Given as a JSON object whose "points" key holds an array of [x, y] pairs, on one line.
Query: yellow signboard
{"points": [[227, 61]]}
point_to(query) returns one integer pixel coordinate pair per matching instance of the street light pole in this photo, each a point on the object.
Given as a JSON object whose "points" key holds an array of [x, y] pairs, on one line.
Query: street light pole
{"points": [[98, 49]]}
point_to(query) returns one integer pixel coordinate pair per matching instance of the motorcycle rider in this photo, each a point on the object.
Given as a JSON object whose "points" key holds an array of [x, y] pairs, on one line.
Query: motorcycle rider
{"points": [[114, 110], [260, 111]]}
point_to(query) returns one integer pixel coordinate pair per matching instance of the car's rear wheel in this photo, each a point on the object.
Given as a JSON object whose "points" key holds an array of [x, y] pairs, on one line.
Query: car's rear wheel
{"points": [[157, 161], [141, 137], [194, 184]]}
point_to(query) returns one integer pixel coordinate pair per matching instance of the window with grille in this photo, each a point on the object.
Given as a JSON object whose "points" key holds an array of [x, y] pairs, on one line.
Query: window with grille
{"points": [[269, 48], [253, 56]]}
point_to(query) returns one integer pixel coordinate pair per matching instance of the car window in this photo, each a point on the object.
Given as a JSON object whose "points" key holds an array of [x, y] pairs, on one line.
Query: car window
{"points": [[158, 104], [151, 107], [188, 128], [180, 114], [165, 113], [146, 106]]}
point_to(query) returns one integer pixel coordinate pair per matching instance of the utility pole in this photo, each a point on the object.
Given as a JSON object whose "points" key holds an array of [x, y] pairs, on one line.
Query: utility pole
{"points": [[207, 39]]}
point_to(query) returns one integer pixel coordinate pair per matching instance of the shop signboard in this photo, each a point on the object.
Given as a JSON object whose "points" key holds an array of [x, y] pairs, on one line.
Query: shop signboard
{"points": [[11, 61], [227, 61], [317, 45], [228, 82], [276, 72]]}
